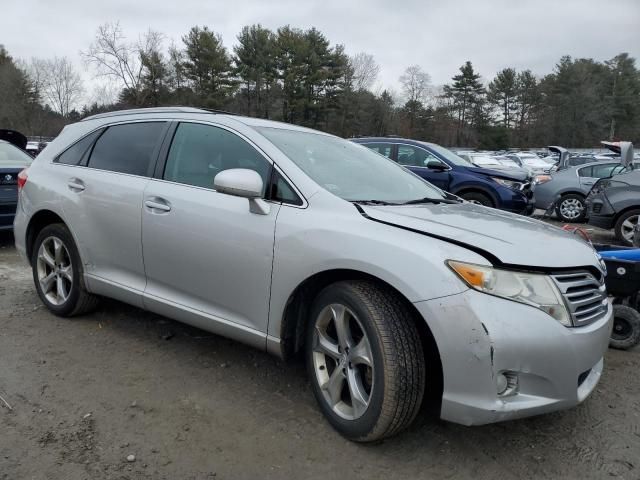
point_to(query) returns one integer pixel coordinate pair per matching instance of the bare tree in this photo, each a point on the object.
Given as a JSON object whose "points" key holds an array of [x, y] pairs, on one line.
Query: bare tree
{"points": [[415, 84], [365, 71], [58, 82], [112, 56]]}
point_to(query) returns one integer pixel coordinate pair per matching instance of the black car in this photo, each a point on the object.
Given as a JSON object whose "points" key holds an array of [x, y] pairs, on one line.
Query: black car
{"points": [[13, 159], [615, 203]]}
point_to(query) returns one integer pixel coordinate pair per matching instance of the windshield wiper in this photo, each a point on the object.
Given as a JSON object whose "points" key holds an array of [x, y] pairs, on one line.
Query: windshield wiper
{"points": [[430, 200], [374, 202]]}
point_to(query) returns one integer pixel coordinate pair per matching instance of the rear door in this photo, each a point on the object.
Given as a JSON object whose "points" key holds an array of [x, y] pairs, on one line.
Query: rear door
{"points": [[208, 258], [590, 175], [104, 177], [416, 159]]}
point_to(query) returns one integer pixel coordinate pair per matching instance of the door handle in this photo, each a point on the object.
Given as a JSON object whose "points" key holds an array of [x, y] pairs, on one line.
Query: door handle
{"points": [[158, 204], [75, 185]]}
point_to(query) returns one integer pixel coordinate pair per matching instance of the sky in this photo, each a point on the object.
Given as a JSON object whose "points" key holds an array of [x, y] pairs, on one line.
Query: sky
{"points": [[437, 35]]}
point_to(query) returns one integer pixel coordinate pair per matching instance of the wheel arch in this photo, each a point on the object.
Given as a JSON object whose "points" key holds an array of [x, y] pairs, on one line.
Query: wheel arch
{"points": [[623, 211], [296, 316], [37, 222], [476, 189]]}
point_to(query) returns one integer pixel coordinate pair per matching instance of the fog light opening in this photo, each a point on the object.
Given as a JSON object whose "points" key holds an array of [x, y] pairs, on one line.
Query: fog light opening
{"points": [[507, 383]]}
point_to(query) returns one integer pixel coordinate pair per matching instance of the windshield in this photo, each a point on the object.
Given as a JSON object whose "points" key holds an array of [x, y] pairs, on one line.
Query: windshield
{"points": [[11, 156], [449, 155], [350, 171]]}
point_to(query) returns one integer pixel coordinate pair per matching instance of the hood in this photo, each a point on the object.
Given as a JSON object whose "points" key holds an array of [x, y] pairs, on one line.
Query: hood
{"points": [[520, 175], [13, 137], [505, 237]]}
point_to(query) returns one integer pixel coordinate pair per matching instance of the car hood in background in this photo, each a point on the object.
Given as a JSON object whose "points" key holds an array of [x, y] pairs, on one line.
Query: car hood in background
{"points": [[13, 137], [512, 239], [520, 175]]}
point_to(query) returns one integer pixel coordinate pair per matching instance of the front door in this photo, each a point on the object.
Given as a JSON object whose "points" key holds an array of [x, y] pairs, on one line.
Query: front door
{"points": [[207, 257], [417, 160]]}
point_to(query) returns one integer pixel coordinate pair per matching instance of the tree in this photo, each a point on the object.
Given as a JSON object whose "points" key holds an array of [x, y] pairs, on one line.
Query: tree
{"points": [[58, 82], [114, 58], [363, 70], [207, 66], [465, 91], [502, 94], [255, 65], [414, 83], [624, 100]]}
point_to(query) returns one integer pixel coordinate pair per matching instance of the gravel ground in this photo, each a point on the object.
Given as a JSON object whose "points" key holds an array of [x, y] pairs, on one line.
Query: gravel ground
{"points": [[125, 394]]}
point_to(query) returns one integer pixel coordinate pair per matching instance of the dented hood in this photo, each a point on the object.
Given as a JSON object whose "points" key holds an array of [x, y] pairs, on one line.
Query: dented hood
{"points": [[501, 236]]}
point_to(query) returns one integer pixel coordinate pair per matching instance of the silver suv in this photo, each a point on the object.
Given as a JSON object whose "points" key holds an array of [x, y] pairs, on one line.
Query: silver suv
{"points": [[295, 241]]}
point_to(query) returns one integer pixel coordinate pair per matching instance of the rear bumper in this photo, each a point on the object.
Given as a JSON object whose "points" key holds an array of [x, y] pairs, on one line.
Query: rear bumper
{"points": [[480, 337]]}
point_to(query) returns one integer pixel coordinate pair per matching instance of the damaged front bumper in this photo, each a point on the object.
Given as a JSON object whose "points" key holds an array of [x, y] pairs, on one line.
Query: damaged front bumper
{"points": [[489, 345]]}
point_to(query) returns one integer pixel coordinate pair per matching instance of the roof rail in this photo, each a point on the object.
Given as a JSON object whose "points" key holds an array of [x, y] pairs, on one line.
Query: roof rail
{"points": [[151, 110]]}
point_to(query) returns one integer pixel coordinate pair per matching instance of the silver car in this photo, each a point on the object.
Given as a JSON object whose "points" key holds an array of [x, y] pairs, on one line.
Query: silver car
{"points": [[566, 190], [295, 241]]}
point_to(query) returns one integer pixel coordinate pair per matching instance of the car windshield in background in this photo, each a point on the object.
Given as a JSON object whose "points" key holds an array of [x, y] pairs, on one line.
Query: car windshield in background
{"points": [[350, 171], [449, 155], [11, 156]]}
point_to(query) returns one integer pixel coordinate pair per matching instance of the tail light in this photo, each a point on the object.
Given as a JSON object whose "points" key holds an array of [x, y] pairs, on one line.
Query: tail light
{"points": [[22, 179]]}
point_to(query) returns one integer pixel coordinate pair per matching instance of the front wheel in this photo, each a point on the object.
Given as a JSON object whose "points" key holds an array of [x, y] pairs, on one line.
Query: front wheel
{"points": [[365, 360], [571, 208], [477, 198], [57, 272], [625, 225]]}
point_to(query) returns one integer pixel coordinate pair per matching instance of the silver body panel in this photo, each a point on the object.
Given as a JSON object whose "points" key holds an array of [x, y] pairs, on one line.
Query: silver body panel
{"points": [[211, 262]]}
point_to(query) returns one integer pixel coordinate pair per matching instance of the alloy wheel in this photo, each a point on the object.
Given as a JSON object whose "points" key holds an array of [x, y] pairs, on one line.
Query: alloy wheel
{"points": [[628, 226], [54, 270], [571, 208], [343, 361]]}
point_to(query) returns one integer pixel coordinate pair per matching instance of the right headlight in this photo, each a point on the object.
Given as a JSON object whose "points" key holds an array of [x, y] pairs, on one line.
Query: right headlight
{"points": [[534, 289]]}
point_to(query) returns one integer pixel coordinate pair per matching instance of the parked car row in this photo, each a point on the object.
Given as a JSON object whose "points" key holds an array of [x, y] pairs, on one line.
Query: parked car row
{"points": [[13, 159], [295, 241]]}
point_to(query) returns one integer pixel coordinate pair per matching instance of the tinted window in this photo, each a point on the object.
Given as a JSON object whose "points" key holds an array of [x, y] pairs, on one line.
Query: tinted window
{"points": [[585, 172], [413, 156], [199, 152], [281, 191], [76, 153], [382, 148], [127, 148]]}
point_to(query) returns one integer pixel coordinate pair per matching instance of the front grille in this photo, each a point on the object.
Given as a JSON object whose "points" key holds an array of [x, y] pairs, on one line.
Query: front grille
{"points": [[584, 295]]}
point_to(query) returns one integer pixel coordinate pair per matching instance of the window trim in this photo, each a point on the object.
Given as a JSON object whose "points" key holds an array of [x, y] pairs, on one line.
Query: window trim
{"points": [[163, 156]]}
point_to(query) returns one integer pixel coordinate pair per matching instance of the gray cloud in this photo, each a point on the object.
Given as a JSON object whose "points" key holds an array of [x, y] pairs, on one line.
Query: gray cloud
{"points": [[437, 35]]}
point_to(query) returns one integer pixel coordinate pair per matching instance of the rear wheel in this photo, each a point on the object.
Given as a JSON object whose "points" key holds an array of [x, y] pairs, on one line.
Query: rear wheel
{"points": [[57, 272], [626, 327], [571, 208], [625, 225], [478, 198], [365, 360]]}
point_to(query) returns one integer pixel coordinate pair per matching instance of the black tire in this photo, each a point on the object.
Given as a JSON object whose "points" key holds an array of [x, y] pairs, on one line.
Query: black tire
{"points": [[398, 374], [626, 328], [79, 301], [478, 198], [571, 200], [620, 225]]}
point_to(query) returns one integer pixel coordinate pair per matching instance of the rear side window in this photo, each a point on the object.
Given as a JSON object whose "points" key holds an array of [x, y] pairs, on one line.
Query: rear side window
{"points": [[76, 153], [382, 148], [127, 148]]}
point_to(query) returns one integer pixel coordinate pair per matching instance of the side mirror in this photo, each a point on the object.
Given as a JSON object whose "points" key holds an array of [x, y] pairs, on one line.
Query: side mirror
{"points": [[239, 182], [435, 165], [245, 183]]}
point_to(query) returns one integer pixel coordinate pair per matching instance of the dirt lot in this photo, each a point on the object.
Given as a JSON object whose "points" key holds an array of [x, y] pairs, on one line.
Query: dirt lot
{"points": [[88, 392]]}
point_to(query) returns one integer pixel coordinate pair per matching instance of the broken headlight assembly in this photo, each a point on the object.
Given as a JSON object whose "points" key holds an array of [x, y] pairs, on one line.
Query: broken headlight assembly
{"points": [[534, 289]]}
